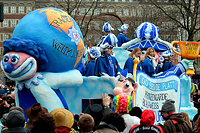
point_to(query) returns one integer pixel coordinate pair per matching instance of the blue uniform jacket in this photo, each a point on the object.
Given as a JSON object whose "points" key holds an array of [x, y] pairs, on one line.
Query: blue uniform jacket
{"points": [[89, 68], [122, 39], [101, 66], [166, 66], [147, 67], [130, 63]]}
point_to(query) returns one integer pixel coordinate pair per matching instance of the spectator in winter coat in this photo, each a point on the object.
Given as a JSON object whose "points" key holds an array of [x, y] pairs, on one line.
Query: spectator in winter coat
{"points": [[174, 122]]}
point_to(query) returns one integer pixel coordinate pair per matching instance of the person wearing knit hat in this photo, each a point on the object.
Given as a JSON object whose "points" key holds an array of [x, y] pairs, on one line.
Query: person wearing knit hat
{"points": [[64, 120], [15, 122], [146, 123], [174, 122], [122, 35], [122, 104]]}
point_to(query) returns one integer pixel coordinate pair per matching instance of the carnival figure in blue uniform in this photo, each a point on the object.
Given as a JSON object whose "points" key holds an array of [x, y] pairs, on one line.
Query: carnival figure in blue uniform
{"points": [[122, 35], [164, 63], [136, 53], [107, 28], [107, 64], [93, 54], [149, 63]]}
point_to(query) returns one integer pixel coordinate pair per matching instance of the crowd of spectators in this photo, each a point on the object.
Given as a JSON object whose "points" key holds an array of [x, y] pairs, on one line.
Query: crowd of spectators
{"points": [[112, 115]]}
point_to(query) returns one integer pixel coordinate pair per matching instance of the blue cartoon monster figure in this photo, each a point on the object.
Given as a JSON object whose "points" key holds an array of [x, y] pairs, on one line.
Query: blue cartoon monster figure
{"points": [[45, 48]]}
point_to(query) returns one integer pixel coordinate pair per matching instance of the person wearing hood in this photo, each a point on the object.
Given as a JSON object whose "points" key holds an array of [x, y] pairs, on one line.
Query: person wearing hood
{"points": [[146, 123], [136, 53], [174, 122], [122, 35]]}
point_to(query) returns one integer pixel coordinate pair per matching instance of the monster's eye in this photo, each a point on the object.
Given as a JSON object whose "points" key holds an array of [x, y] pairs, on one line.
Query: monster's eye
{"points": [[143, 52], [127, 84], [14, 58], [6, 58]]}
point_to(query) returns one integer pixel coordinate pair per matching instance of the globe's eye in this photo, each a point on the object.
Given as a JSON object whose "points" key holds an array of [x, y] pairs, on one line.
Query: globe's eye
{"points": [[14, 59], [127, 84], [6, 58]]}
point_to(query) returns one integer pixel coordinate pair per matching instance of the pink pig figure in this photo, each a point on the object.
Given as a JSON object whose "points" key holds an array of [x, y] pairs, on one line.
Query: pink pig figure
{"points": [[127, 85]]}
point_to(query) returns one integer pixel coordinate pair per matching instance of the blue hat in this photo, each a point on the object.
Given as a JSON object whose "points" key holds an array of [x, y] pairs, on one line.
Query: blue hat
{"points": [[110, 41], [107, 27], [123, 74], [94, 52], [123, 27], [146, 35]]}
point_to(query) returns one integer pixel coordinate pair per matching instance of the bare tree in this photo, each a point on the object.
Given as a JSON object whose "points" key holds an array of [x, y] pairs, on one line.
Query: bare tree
{"points": [[73, 9], [185, 13]]}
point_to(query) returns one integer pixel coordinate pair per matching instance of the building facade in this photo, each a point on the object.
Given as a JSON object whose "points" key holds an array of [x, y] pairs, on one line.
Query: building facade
{"points": [[133, 12]]}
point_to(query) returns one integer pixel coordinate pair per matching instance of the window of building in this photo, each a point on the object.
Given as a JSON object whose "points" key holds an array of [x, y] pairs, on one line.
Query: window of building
{"points": [[13, 23], [111, 10], [119, 0], [82, 11], [5, 9], [96, 26], [1, 50], [28, 9], [5, 36], [140, 12], [119, 12], [74, 12], [5, 23], [89, 13], [96, 12], [96, 38], [21, 9], [103, 10], [13, 9], [133, 13], [126, 12], [166, 0], [89, 37]]}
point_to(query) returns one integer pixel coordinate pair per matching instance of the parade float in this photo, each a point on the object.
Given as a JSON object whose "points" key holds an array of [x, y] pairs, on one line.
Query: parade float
{"points": [[46, 49]]}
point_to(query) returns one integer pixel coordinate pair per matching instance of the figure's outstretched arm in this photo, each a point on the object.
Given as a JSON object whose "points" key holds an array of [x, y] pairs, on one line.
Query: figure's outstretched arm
{"points": [[71, 78]]}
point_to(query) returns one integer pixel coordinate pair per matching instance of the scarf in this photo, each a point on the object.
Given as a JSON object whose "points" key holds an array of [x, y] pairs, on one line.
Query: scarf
{"points": [[136, 58], [153, 61], [109, 62]]}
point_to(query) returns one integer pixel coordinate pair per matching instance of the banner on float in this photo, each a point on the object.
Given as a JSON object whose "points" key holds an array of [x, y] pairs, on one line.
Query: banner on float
{"points": [[152, 93]]}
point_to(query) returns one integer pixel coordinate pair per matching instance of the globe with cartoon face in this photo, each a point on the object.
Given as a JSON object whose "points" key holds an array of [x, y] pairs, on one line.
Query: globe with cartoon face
{"points": [[57, 34]]}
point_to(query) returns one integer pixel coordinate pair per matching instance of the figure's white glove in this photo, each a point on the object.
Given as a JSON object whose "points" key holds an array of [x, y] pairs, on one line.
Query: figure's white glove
{"points": [[156, 75], [188, 64]]}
